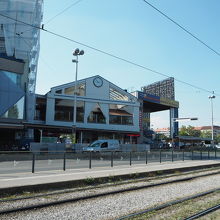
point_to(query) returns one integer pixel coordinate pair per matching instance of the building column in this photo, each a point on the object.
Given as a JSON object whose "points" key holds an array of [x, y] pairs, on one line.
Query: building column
{"points": [[174, 126], [81, 137]]}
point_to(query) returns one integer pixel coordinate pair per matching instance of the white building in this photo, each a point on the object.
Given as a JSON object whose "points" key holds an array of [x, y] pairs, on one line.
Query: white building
{"points": [[103, 111]]}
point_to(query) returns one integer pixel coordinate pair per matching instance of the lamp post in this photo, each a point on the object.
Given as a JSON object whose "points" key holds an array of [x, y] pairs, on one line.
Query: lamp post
{"points": [[76, 53], [211, 98]]}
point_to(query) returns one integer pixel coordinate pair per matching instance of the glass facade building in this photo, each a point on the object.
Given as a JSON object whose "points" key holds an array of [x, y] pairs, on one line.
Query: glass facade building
{"points": [[19, 52]]}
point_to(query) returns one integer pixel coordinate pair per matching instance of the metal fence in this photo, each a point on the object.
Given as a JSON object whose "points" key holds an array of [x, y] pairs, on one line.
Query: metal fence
{"points": [[21, 162]]}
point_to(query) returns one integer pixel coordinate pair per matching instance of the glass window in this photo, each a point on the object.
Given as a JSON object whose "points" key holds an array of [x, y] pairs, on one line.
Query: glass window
{"points": [[114, 119], [15, 77], [127, 120], [80, 90], [16, 111], [96, 115], [120, 114], [117, 95], [104, 145], [58, 91], [80, 111], [40, 109], [63, 110]]}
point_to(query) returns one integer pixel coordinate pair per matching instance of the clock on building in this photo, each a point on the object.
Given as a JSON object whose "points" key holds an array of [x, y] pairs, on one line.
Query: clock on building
{"points": [[97, 81]]}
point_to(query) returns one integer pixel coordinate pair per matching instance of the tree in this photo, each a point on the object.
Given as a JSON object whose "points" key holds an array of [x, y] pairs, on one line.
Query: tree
{"points": [[189, 131], [206, 134], [217, 138]]}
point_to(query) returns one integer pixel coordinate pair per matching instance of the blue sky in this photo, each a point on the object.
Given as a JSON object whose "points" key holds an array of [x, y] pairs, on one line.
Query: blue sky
{"points": [[132, 30]]}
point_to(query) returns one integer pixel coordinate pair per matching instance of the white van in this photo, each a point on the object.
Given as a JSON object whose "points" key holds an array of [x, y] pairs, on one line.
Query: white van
{"points": [[103, 145]]}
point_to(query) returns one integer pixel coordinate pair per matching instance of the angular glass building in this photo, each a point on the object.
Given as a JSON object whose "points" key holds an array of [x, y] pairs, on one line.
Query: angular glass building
{"points": [[19, 52]]}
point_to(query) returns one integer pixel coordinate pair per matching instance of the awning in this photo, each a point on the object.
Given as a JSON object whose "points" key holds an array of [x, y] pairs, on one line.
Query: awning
{"points": [[11, 126]]}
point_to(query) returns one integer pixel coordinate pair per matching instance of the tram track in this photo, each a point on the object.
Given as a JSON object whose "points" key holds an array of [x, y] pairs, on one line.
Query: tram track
{"points": [[174, 202], [90, 195], [203, 213]]}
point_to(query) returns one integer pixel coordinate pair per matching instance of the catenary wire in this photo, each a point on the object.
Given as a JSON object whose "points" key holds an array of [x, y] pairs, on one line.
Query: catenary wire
{"points": [[55, 16], [41, 57], [64, 10], [183, 28], [109, 54]]}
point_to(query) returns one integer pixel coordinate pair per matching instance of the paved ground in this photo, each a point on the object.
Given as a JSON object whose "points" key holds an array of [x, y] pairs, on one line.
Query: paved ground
{"points": [[11, 180], [22, 163]]}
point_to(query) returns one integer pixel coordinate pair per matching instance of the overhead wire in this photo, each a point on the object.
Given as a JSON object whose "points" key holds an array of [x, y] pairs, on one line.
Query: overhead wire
{"points": [[183, 28], [55, 16], [64, 10], [41, 57], [109, 54]]}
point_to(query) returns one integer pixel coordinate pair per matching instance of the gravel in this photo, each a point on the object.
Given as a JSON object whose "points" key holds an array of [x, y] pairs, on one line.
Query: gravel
{"points": [[111, 207]]}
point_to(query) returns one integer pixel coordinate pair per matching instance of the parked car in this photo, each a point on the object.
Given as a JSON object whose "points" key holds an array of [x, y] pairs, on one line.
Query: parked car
{"points": [[217, 146], [103, 145]]}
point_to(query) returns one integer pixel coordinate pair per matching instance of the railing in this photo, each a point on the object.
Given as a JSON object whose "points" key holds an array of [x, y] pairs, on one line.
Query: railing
{"points": [[25, 161]]}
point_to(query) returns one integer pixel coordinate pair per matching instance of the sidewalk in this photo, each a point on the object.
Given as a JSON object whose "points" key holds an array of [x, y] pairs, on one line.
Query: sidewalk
{"points": [[13, 182]]}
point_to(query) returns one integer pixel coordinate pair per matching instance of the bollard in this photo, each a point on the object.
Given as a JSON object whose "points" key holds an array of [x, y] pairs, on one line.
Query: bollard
{"points": [[33, 163], [112, 159], [183, 155], [160, 156], [64, 161], [130, 158], [172, 155], [146, 156]]}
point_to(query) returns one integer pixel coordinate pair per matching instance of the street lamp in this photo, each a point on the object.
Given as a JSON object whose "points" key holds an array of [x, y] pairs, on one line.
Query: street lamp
{"points": [[76, 53], [212, 97]]}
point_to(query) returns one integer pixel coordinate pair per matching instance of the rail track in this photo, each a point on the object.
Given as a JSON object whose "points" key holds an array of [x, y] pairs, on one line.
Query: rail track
{"points": [[174, 202], [204, 212], [99, 194]]}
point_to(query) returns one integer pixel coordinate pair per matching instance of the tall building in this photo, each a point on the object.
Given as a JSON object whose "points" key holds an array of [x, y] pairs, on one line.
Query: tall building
{"points": [[19, 51]]}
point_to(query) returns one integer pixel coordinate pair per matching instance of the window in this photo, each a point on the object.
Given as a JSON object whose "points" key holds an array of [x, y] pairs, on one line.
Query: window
{"points": [[64, 109], [14, 77], [96, 116], [80, 90], [118, 95], [120, 120], [127, 120], [58, 91], [80, 111], [40, 109], [104, 145], [120, 114], [16, 111]]}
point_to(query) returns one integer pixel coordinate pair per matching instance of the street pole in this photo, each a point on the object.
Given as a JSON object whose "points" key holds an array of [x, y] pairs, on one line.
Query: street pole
{"points": [[76, 53], [75, 102], [212, 121], [212, 97]]}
